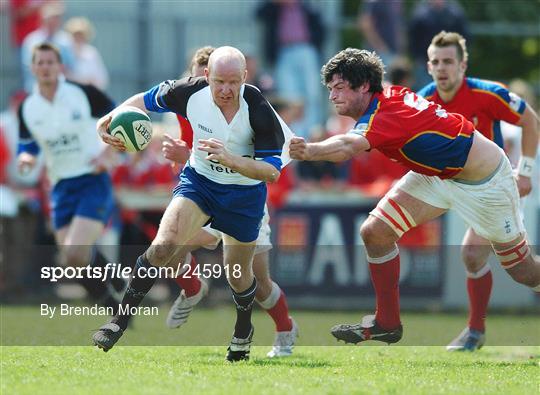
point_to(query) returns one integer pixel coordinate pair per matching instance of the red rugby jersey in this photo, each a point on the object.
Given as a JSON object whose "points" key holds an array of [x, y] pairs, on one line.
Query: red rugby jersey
{"points": [[484, 103], [417, 133], [186, 132]]}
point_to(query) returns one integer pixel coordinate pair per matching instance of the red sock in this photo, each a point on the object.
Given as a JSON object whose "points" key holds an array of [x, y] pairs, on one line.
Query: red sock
{"points": [[280, 314], [479, 290], [188, 281], [385, 279]]}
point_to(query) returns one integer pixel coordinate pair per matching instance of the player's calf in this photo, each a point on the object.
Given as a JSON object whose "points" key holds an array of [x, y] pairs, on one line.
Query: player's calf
{"points": [[517, 260]]}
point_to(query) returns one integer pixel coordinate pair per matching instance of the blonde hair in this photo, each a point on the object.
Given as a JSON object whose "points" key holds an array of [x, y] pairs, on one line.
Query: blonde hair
{"points": [[448, 39], [80, 25]]}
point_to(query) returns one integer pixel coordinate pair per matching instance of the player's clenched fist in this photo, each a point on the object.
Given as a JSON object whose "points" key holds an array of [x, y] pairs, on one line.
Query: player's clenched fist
{"points": [[298, 148]]}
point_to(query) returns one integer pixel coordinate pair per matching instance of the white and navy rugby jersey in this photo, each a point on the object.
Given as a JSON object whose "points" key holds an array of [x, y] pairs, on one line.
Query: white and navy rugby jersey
{"points": [[256, 130], [64, 129]]}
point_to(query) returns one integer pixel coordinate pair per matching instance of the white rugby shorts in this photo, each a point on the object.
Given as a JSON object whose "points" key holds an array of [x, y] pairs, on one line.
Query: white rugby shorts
{"points": [[491, 207]]}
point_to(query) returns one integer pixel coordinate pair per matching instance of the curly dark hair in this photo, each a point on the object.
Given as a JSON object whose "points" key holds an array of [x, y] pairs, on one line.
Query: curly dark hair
{"points": [[357, 66]]}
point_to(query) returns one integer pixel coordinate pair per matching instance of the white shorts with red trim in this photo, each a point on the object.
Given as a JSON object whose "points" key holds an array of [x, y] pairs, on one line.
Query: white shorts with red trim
{"points": [[491, 208]]}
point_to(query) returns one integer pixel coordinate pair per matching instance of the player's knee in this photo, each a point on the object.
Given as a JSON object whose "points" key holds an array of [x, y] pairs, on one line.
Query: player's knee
{"points": [[375, 232], [160, 254], [264, 288], [239, 283], [75, 256], [472, 258]]}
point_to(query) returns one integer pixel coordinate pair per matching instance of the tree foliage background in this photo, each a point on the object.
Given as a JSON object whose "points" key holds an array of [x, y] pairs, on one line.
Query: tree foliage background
{"points": [[505, 37]]}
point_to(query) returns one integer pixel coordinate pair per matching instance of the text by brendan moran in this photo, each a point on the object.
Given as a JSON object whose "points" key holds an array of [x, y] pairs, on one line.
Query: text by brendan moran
{"points": [[65, 310]]}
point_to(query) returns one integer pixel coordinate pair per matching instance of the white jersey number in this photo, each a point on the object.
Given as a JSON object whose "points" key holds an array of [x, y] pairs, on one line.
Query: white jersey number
{"points": [[420, 104]]}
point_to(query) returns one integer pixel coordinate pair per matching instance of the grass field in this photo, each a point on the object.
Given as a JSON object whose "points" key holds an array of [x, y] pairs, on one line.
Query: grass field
{"points": [[313, 368]]}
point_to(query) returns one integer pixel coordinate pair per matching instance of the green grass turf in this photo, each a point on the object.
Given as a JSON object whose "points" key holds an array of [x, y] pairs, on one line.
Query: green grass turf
{"points": [[313, 369], [330, 370]]}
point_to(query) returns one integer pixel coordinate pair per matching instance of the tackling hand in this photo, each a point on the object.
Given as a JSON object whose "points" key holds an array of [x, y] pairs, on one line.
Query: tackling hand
{"points": [[299, 149], [524, 185]]}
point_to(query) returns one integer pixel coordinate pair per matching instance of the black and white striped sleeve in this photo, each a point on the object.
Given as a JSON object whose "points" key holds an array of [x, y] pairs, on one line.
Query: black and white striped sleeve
{"points": [[173, 95], [26, 140], [100, 103], [269, 133]]}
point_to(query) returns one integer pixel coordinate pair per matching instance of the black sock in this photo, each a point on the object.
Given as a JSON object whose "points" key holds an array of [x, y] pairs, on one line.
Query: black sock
{"points": [[99, 292], [244, 303], [98, 260], [136, 291]]}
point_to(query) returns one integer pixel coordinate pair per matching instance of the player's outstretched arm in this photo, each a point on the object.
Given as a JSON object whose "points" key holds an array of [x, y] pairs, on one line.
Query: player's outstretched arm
{"points": [[255, 169], [334, 149], [104, 122], [529, 144]]}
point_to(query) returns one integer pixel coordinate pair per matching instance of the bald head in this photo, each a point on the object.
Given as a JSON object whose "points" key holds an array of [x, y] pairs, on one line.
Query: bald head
{"points": [[227, 56], [226, 73]]}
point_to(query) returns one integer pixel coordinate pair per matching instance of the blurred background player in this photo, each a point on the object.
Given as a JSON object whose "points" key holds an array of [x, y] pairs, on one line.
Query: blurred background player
{"points": [[224, 184], [452, 168], [58, 119], [485, 104], [268, 294]]}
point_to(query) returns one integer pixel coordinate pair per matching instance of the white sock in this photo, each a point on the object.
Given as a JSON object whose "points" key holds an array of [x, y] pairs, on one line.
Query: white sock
{"points": [[480, 273], [272, 299], [383, 259]]}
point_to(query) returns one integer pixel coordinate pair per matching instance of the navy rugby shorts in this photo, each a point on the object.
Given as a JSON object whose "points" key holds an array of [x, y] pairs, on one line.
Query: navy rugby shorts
{"points": [[236, 210], [89, 195]]}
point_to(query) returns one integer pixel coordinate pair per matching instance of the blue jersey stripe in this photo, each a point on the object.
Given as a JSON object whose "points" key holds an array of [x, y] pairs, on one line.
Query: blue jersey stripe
{"points": [[437, 151], [274, 161], [30, 147], [276, 151], [152, 101]]}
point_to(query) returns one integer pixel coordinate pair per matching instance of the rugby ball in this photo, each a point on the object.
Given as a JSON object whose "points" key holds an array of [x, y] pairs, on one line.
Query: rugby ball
{"points": [[133, 127]]}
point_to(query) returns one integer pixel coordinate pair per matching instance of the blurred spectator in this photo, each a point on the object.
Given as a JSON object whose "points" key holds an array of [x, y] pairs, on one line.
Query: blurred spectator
{"points": [[261, 80], [429, 18], [143, 174], [293, 37], [89, 67], [400, 72], [146, 170], [10, 127], [22, 221], [322, 175], [25, 18], [374, 174], [49, 31], [381, 24]]}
